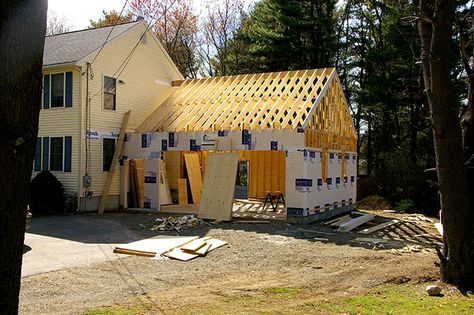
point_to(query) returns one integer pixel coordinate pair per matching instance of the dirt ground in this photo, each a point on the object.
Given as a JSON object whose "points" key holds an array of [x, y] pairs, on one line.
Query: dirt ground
{"points": [[258, 256]]}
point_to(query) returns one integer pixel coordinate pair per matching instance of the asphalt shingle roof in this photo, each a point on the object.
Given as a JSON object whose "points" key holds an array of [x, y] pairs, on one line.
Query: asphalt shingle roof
{"points": [[73, 46]]}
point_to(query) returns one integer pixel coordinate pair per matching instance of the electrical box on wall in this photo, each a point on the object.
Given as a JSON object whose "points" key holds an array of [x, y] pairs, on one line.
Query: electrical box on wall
{"points": [[86, 181]]}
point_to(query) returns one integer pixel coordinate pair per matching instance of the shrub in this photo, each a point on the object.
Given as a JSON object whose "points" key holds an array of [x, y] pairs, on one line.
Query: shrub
{"points": [[47, 194]]}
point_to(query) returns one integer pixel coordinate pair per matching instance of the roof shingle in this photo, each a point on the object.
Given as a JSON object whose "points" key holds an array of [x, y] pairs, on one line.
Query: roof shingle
{"points": [[73, 46]]}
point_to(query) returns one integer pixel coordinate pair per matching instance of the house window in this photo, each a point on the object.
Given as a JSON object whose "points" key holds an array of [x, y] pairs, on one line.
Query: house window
{"points": [[108, 149], [56, 154], [57, 90], [110, 95]]}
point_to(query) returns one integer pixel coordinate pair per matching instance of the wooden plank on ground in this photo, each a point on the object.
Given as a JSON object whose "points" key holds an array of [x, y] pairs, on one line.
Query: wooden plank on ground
{"points": [[182, 191], [352, 224], [379, 227], [195, 245], [153, 246], [178, 254], [113, 165], [194, 174], [219, 186]]}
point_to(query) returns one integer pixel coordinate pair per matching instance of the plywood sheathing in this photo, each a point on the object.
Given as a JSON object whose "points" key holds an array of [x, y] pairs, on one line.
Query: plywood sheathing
{"points": [[270, 170], [219, 186], [194, 175], [308, 99]]}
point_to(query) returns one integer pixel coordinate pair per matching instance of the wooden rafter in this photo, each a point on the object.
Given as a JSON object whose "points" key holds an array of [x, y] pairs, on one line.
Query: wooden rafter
{"points": [[308, 99]]}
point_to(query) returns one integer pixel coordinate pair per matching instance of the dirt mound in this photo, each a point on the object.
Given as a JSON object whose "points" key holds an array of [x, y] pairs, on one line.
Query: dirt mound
{"points": [[373, 202]]}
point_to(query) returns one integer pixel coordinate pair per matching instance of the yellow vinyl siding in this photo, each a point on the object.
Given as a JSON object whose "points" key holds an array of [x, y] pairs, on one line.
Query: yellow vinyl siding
{"points": [[146, 84], [60, 122]]}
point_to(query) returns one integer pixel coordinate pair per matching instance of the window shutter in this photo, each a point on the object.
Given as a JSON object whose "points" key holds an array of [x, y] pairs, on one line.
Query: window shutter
{"points": [[38, 155], [45, 153], [67, 153], [68, 90], [46, 91]]}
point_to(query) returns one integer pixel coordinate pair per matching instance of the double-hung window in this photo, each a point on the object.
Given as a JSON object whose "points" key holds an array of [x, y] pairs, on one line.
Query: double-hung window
{"points": [[56, 154], [110, 93], [57, 91]]}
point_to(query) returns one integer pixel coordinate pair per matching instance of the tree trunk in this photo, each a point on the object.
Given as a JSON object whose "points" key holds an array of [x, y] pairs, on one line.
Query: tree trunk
{"points": [[22, 30], [436, 24]]}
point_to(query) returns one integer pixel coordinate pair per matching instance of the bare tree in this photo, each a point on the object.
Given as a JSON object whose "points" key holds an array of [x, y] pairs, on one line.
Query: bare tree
{"points": [[57, 24], [175, 25], [22, 30], [222, 19]]}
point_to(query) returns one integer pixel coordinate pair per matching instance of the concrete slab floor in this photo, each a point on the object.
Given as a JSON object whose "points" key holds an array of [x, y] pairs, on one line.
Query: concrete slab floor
{"points": [[54, 243]]}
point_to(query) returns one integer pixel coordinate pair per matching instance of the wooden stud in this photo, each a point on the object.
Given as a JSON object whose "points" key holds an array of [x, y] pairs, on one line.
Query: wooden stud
{"points": [[113, 165]]}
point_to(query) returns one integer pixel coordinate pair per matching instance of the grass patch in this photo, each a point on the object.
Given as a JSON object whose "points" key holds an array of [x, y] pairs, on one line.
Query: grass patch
{"points": [[388, 299], [400, 300], [134, 309]]}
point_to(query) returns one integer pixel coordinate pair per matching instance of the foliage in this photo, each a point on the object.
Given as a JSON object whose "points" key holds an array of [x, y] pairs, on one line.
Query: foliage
{"points": [[47, 194], [287, 35], [111, 18], [405, 205]]}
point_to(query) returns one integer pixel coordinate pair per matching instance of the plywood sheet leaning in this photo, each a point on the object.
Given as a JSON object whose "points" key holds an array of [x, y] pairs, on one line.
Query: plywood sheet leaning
{"points": [[194, 175], [173, 167], [219, 186], [182, 191], [165, 193], [139, 179], [113, 164]]}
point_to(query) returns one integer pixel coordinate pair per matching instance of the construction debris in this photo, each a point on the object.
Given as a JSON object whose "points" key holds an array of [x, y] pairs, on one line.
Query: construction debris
{"points": [[418, 217], [316, 232], [180, 248], [379, 227], [175, 223], [353, 223]]}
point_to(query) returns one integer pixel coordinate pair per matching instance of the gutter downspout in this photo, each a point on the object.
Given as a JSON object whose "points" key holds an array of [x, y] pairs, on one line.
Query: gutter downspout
{"points": [[79, 141]]}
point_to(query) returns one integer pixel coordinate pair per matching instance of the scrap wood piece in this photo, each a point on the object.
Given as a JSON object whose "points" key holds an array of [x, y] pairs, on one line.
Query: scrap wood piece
{"points": [[379, 227], [194, 174], [352, 224], [203, 250], [151, 247], [316, 232], [219, 186], [195, 245], [177, 253], [336, 220], [342, 221], [439, 227], [371, 240]]}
